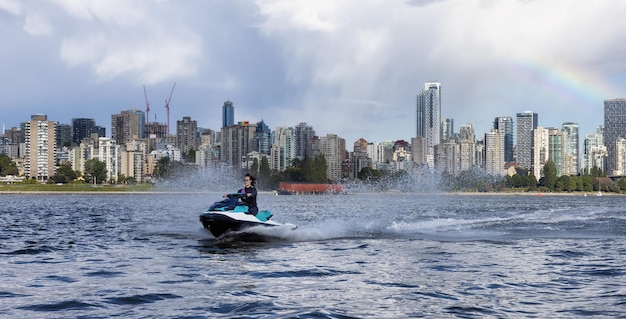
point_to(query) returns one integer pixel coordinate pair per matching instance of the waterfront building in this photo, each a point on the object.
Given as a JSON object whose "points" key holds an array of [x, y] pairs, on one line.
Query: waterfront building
{"points": [[479, 153], [446, 157], [419, 151], [620, 157], [466, 147], [429, 118], [571, 161], [133, 161], [360, 157], [283, 148], [494, 153], [109, 154], [303, 135], [504, 124], [236, 143], [262, 139], [376, 152], [614, 128], [526, 123], [39, 159], [556, 149], [187, 135], [594, 151], [156, 131], [127, 126], [333, 148], [63, 135], [447, 129], [228, 114], [82, 128], [540, 151]]}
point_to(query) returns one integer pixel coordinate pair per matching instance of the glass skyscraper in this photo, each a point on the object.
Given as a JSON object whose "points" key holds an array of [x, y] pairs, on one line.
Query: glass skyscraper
{"points": [[228, 114], [614, 128], [429, 114], [82, 128]]}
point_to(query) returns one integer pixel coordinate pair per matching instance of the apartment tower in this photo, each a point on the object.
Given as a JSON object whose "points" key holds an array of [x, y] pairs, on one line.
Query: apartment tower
{"points": [[614, 128], [526, 123]]}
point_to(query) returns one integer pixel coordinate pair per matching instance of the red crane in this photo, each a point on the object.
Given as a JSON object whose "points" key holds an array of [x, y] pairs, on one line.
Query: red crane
{"points": [[167, 107], [147, 106]]}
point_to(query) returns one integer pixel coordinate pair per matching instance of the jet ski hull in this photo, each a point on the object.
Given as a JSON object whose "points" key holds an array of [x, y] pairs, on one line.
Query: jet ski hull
{"points": [[220, 223]]}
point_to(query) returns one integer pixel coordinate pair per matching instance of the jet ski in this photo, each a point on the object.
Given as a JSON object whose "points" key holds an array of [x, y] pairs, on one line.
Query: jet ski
{"points": [[230, 216]]}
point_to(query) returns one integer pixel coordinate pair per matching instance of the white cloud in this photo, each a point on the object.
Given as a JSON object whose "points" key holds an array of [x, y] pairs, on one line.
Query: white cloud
{"points": [[351, 67], [36, 25], [11, 6]]}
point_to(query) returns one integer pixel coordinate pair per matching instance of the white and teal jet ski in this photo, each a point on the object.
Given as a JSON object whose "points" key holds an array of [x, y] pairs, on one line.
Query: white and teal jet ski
{"points": [[230, 216]]}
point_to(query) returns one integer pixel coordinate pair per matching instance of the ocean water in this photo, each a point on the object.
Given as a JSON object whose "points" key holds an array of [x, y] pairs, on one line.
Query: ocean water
{"points": [[364, 255]]}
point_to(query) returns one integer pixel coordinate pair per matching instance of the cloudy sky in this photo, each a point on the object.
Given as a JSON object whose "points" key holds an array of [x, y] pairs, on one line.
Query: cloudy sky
{"points": [[347, 67]]}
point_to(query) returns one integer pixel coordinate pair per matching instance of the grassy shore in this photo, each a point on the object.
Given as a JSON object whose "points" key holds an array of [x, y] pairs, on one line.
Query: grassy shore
{"points": [[20, 188], [72, 188]]}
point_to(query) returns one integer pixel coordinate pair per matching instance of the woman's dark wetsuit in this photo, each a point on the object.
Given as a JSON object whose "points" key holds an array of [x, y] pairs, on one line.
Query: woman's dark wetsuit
{"points": [[250, 201]]}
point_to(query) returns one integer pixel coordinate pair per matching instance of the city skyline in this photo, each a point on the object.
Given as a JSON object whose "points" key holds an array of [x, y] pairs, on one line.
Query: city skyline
{"points": [[351, 68], [267, 121]]}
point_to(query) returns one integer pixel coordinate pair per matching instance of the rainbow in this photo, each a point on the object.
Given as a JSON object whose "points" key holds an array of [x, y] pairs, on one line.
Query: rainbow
{"points": [[575, 83]]}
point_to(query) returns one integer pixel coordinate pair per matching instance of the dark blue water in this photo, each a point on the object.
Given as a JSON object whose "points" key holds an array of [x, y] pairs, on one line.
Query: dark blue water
{"points": [[352, 256]]}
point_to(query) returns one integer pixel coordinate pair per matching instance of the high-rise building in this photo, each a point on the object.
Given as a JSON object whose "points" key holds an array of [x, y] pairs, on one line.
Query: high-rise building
{"points": [[526, 123], [132, 159], [614, 128], [283, 148], [540, 151], [127, 126], [63, 135], [418, 151], [494, 154], [39, 151], [447, 129], [467, 149], [595, 153], [82, 128], [504, 124], [237, 143], [620, 157], [262, 138], [466, 133], [556, 149], [187, 135], [109, 154], [228, 114], [303, 135], [429, 113], [429, 118], [360, 157], [333, 148], [571, 164]]}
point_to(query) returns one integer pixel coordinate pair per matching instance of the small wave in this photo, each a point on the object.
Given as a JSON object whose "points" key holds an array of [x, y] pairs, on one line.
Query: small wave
{"points": [[141, 299], [32, 251], [104, 273], [59, 306]]}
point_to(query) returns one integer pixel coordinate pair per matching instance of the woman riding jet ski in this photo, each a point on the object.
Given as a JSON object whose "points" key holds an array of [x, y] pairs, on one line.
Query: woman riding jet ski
{"points": [[237, 212]]}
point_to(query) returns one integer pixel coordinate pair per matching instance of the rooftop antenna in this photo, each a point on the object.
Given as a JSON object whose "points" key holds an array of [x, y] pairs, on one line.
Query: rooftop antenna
{"points": [[167, 107]]}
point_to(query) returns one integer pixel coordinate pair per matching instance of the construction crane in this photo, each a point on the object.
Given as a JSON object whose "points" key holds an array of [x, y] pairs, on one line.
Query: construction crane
{"points": [[147, 106], [167, 107]]}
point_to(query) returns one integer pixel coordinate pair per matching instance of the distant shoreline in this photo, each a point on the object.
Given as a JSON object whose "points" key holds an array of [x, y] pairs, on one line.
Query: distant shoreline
{"points": [[155, 192]]}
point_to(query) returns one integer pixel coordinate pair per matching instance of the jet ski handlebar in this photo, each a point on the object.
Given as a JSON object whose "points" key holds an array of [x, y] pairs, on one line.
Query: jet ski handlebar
{"points": [[236, 195]]}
